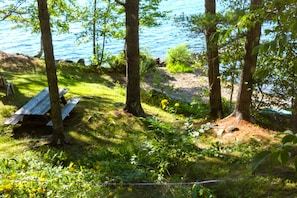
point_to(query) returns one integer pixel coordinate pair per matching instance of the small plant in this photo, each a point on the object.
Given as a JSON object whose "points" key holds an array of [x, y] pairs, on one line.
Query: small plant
{"points": [[203, 192], [279, 154], [178, 59]]}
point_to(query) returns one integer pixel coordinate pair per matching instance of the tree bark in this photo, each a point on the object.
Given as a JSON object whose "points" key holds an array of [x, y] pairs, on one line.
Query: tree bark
{"points": [[133, 104], [95, 55], [294, 114], [40, 50], [242, 108], [215, 99], [58, 131]]}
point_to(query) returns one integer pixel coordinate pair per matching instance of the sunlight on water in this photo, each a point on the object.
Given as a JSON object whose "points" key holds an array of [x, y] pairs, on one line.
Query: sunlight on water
{"points": [[156, 40]]}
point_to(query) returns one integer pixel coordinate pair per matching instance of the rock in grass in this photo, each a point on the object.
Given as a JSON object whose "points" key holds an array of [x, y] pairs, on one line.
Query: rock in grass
{"points": [[219, 132], [231, 129]]}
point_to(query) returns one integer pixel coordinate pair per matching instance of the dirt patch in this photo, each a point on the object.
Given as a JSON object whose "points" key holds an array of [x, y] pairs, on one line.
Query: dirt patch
{"points": [[186, 87], [243, 131], [18, 62]]}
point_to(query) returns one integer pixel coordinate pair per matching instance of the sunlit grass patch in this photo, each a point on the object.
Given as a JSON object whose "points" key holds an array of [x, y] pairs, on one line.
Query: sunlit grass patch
{"points": [[110, 149]]}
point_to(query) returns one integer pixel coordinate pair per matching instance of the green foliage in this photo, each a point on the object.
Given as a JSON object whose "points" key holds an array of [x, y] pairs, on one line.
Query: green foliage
{"points": [[111, 149], [150, 13], [147, 63], [165, 149], [25, 14], [103, 21], [118, 63], [279, 154], [178, 59], [203, 192], [27, 176], [196, 109]]}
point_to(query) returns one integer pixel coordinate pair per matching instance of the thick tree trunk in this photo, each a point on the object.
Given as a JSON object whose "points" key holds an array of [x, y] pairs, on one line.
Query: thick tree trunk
{"points": [[242, 108], [216, 109], [58, 131], [133, 104]]}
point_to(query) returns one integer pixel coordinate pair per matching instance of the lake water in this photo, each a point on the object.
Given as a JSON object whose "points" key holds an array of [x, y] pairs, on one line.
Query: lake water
{"points": [[156, 40]]}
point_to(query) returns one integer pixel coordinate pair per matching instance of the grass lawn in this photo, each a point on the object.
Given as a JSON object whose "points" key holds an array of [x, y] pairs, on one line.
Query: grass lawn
{"points": [[114, 154]]}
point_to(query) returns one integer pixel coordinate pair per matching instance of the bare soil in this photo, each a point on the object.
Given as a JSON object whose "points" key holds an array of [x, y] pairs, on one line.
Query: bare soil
{"points": [[183, 86], [18, 62], [188, 86]]}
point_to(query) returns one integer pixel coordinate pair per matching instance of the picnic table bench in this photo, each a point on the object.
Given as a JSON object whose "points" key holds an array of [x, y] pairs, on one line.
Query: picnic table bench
{"points": [[40, 105], [8, 86]]}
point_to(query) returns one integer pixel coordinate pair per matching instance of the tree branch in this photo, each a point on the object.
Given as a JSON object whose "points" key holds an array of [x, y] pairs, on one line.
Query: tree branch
{"points": [[8, 13], [119, 2]]}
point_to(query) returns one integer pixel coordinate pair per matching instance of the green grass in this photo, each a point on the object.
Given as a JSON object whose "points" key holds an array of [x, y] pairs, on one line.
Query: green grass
{"points": [[112, 150]]}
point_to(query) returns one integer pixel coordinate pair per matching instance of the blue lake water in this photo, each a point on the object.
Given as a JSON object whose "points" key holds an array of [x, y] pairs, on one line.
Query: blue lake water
{"points": [[156, 40]]}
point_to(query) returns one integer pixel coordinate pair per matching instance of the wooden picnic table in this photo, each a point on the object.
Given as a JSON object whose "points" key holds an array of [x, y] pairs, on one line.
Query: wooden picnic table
{"points": [[40, 105]]}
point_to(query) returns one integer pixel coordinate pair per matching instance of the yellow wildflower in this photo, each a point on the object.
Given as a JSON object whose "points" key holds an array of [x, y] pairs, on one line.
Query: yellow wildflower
{"points": [[164, 103], [13, 176], [40, 190], [130, 189], [176, 105], [42, 179]]}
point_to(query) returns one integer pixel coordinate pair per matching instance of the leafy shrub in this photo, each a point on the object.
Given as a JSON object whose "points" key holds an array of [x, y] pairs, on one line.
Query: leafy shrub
{"points": [[178, 59], [118, 63], [279, 154], [146, 64]]}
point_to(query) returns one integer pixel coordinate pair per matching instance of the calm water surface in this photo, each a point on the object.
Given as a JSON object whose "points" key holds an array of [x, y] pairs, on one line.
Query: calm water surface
{"points": [[156, 40]]}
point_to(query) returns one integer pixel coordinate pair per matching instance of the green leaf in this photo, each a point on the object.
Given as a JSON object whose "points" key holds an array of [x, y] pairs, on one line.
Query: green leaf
{"points": [[289, 132], [259, 159], [296, 163], [289, 138], [284, 156]]}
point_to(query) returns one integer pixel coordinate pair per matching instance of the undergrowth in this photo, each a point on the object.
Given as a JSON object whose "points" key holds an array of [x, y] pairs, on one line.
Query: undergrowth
{"points": [[115, 155]]}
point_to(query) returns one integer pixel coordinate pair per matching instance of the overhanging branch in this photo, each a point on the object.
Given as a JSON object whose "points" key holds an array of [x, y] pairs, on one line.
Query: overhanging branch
{"points": [[119, 2]]}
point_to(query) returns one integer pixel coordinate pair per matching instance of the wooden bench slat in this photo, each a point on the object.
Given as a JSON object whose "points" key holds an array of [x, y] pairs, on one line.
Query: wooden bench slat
{"points": [[39, 105], [27, 108], [13, 119], [43, 106], [66, 109]]}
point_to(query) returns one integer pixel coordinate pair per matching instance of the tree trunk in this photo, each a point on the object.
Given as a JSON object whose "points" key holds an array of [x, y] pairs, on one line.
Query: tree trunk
{"points": [[294, 114], [133, 104], [216, 110], [41, 49], [58, 131], [243, 103], [95, 54]]}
